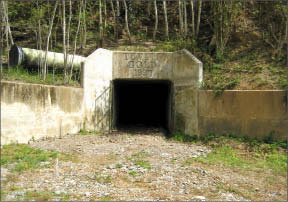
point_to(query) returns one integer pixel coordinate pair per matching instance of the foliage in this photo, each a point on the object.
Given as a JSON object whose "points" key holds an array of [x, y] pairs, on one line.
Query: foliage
{"points": [[180, 137], [22, 74], [266, 153], [138, 159], [102, 178], [85, 132], [220, 22], [273, 20], [24, 157], [253, 142], [143, 164]]}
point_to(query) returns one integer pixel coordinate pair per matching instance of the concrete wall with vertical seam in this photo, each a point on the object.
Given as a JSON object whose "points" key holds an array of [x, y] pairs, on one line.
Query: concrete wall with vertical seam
{"points": [[34, 111], [253, 113]]}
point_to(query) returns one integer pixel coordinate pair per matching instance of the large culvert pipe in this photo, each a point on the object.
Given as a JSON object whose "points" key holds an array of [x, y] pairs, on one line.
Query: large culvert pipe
{"points": [[30, 57]]}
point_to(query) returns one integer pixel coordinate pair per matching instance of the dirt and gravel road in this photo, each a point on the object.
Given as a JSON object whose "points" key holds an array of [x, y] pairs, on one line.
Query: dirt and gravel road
{"points": [[125, 166]]}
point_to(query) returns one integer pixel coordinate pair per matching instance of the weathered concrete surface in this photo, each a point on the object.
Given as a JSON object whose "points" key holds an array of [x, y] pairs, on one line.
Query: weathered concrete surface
{"points": [[142, 65], [187, 78], [35, 111], [181, 68], [30, 110], [254, 113], [97, 78]]}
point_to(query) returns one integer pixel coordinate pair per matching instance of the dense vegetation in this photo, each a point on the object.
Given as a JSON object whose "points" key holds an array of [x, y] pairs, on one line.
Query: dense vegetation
{"points": [[242, 44]]}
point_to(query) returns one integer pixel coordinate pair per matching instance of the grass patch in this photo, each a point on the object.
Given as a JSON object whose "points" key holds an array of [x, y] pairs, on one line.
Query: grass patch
{"points": [[119, 165], [143, 164], [230, 189], [106, 198], [225, 156], [276, 161], [181, 137], [266, 153], [86, 132], [133, 173], [113, 156], [2, 194], [269, 140], [24, 157], [102, 179], [38, 196], [174, 45], [140, 155], [138, 159], [228, 157], [44, 196], [21, 74], [68, 157]]}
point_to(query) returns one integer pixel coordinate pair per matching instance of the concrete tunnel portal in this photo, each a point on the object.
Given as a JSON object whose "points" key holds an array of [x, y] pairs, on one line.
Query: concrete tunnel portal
{"points": [[158, 89], [143, 103]]}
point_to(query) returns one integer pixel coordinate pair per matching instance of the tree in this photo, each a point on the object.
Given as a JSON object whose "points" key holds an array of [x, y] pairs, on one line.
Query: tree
{"points": [[39, 40], [7, 30], [180, 17], [199, 17], [64, 40], [222, 19], [273, 20], [156, 20], [114, 21], [166, 20], [126, 20], [185, 19], [44, 71], [69, 25], [75, 40], [192, 18], [100, 23]]}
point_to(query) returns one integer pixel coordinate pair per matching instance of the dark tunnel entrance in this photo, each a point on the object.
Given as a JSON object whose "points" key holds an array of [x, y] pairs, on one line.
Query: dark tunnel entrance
{"points": [[144, 103]]}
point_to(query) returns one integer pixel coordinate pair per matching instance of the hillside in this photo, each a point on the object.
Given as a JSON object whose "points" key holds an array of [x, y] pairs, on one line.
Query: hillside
{"points": [[239, 52]]}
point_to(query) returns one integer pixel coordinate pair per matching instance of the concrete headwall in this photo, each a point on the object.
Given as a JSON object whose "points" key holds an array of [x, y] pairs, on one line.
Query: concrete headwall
{"points": [[97, 78], [255, 113], [33, 111], [181, 68]]}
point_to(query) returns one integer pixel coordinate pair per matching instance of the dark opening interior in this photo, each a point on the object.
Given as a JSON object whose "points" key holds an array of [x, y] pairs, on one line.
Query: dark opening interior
{"points": [[144, 103]]}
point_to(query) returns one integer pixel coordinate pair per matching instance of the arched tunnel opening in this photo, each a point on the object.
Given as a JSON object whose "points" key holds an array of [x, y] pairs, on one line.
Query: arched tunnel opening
{"points": [[142, 103]]}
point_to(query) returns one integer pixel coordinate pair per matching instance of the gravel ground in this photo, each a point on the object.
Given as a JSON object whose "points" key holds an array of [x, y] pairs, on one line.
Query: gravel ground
{"points": [[125, 166]]}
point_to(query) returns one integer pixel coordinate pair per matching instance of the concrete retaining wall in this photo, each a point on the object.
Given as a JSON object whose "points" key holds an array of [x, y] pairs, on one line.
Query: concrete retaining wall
{"points": [[35, 111], [255, 113]]}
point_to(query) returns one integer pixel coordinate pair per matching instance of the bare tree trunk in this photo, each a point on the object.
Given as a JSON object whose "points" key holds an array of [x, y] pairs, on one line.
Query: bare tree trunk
{"points": [[84, 25], [117, 18], [199, 16], [64, 41], [7, 30], [5, 9], [7, 45], [156, 20], [75, 40], [126, 20], [105, 18], [166, 20], [185, 19], [100, 23], [192, 18], [149, 8], [114, 19], [180, 17], [1, 38], [47, 42], [40, 62], [69, 25]]}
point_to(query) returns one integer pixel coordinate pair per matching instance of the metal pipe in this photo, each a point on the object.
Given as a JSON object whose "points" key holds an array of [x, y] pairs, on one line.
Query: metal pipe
{"points": [[30, 57]]}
